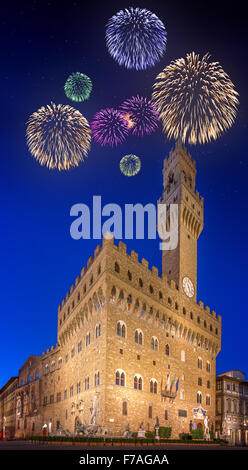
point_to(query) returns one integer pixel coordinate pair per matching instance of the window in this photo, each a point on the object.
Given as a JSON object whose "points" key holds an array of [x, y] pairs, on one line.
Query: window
{"points": [[138, 337], [165, 415], [198, 320], [184, 310], [167, 350], [124, 408], [72, 352], [199, 397], [216, 331], [199, 381], [97, 379], [60, 362], [199, 362], [150, 412], [154, 344], [66, 358], [208, 366], [160, 295], [37, 375], [182, 413], [78, 297], [208, 400], [117, 267], [208, 384], [78, 387], [65, 394], [140, 282], [99, 269], [71, 391], [153, 386], [205, 324], [121, 329], [29, 379], [87, 339], [151, 289], [183, 356], [51, 398], [211, 328], [176, 305], [45, 401], [120, 378], [169, 301], [129, 274], [191, 316], [98, 330], [80, 346], [137, 382], [46, 371], [53, 366], [58, 396], [86, 383]]}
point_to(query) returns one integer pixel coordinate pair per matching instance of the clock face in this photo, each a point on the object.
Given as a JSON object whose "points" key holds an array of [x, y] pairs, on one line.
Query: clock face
{"points": [[188, 287]]}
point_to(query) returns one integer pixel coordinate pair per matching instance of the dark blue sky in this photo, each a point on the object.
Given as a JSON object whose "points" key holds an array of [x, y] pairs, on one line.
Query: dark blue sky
{"points": [[42, 43]]}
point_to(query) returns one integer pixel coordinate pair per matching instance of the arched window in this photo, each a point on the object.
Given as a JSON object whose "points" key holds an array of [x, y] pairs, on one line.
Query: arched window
{"points": [[154, 343], [60, 362], [120, 377], [208, 366], [208, 400], [153, 386], [183, 356], [199, 363], [87, 339], [199, 397], [140, 282], [37, 375], [53, 366], [46, 369], [124, 408], [138, 337], [121, 329], [97, 379], [98, 330], [167, 350], [129, 275], [137, 382], [29, 379], [117, 267]]}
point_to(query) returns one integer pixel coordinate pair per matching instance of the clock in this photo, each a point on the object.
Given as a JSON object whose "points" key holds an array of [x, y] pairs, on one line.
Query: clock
{"points": [[188, 287]]}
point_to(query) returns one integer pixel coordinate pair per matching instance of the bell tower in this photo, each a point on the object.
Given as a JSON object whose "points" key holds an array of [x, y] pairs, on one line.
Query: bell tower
{"points": [[180, 264]]}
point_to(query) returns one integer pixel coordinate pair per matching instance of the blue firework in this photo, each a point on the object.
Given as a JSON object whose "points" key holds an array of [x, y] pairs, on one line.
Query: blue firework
{"points": [[136, 38]]}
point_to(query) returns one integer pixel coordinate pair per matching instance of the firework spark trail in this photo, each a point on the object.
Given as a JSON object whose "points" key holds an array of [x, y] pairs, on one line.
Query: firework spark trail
{"points": [[109, 127], [196, 99], [142, 112], [130, 165], [58, 136], [136, 38]]}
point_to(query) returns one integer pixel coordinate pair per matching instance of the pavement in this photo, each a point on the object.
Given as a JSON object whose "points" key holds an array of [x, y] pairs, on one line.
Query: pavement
{"points": [[43, 446]]}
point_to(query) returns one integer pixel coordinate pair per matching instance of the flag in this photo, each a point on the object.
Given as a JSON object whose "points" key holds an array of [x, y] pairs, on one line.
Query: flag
{"points": [[177, 384]]}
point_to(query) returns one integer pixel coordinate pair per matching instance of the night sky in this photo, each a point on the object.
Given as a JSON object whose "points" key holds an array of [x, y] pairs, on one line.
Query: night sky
{"points": [[41, 44]]}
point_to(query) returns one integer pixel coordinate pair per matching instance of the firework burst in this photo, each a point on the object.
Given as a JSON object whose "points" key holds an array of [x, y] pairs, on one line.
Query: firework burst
{"points": [[58, 136], [196, 99], [130, 165], [109, 127], [142, 114], [136, 38], [78, 87]]}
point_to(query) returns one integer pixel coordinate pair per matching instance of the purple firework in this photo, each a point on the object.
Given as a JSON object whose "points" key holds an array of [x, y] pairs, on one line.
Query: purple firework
{"points": [[109, 127], [142, 114]]}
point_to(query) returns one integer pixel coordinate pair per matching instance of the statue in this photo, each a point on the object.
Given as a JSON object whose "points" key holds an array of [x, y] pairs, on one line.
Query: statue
{"points": [[127, 432], [157, 429], [141, 431], [94, 410], [206, 429]]}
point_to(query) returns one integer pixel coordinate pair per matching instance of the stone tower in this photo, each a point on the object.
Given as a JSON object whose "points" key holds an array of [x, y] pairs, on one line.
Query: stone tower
{"points": [[179, 174]]}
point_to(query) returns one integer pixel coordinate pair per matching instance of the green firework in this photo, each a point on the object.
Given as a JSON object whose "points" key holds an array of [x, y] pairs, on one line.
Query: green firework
{"points": [[78, 87], [130, 165]]}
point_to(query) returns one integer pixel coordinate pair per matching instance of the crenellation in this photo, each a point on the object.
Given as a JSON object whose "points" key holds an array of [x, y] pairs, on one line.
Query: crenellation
{"points": [[145, 263], [122, 247], [134, 255], [89, 262]]}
